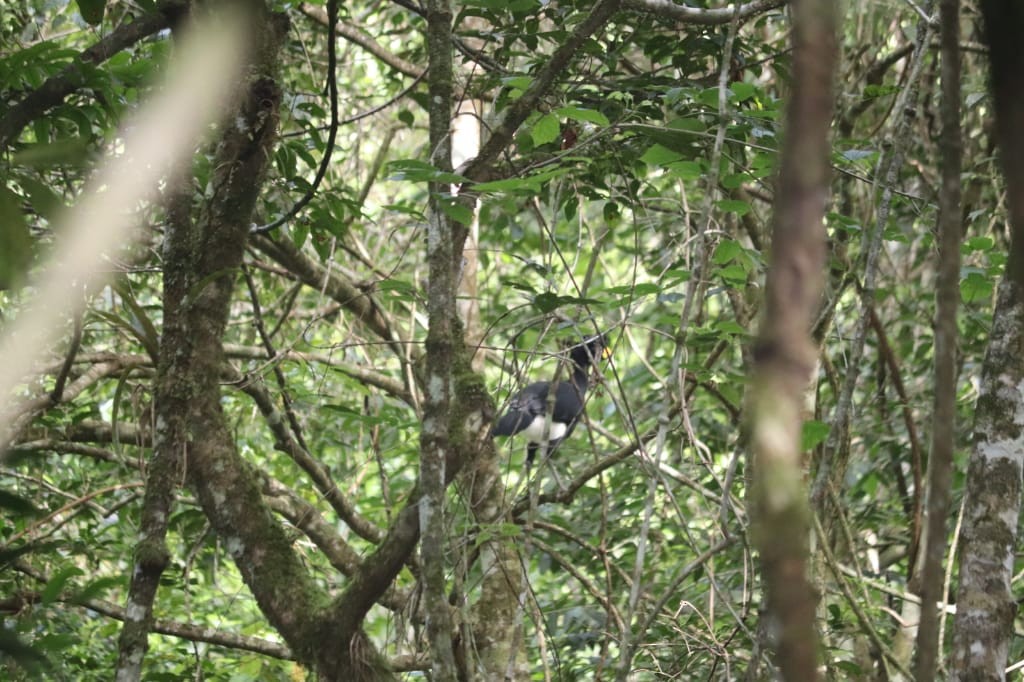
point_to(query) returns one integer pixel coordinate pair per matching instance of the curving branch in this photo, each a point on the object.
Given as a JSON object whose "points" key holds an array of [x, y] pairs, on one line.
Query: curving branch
{"points": [[186, 631], [72, 77], [478, 168], [391, 386], [320, 475], [332, 131], [700, 15], [358, 302], [357, 36]]}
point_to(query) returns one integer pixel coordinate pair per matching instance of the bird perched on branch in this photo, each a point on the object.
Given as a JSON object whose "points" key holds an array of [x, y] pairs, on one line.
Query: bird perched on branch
{"points": [[528, 409]]}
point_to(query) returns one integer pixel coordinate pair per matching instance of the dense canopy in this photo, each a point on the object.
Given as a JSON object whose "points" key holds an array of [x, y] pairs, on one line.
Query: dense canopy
{"points": [[255, 442]]}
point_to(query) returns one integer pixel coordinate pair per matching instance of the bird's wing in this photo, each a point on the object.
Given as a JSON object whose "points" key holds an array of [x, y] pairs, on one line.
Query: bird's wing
{"points": [[568, 403], [522, 409]]}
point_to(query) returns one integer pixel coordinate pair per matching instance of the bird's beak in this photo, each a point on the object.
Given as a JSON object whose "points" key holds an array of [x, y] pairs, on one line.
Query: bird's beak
{"points": [[606, 353]]}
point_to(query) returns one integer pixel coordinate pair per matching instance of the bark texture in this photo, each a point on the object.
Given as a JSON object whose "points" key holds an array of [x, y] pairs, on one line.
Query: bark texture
{"points": [[435, 439], [171, 439], [202, 265], [940, 462], [985, 603], [784, 357]]}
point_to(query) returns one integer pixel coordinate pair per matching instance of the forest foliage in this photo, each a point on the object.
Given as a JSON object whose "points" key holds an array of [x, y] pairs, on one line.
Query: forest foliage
{"points": [[635, 199]]}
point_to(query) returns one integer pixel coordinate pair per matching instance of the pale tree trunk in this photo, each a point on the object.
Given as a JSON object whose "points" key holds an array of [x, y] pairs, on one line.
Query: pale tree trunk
{"points": [[491, 643], [784, 356], [465, 145], [986, 606], [435, 436]]}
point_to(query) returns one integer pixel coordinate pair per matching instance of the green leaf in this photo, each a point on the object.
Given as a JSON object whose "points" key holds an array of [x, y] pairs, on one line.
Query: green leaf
{"points": [[96, 588], [519, 82], [743, 91], [734, 180], [975, 287], [530, 183], [68, 151], [978, 244], [730, 327], [15, 238], [548, 301], [414, 170], [685, 170], [457, 211], [709, 97], [813, 434], [584, 115], [733, 206], [546, 129], [300, 232], [57, 583], [734, 273], [638, 290], [657, 155], [92, 11], [396, 285], [726, 251], [143, 326]]}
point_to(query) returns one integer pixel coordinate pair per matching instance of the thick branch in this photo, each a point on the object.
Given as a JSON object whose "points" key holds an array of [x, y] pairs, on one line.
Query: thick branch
{"points": [[986, 602]]}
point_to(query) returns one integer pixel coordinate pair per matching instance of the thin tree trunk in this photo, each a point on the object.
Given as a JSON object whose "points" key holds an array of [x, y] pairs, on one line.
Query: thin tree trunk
{"points": [[784, 356], [940, 463], [164, 472], [435, 439], [986, 606], [171, 438]]}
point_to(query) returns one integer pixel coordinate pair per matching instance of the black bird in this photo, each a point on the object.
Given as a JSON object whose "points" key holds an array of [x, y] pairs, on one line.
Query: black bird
{"points": [[527, 409]]}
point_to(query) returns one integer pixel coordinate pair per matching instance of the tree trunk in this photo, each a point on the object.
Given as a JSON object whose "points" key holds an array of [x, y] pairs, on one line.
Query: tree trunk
{"points": [[986, 606], [784, 356], [940, 461]]}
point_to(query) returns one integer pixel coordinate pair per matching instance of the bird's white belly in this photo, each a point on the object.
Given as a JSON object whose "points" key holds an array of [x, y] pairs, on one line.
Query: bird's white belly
{"points": [[535, 431]]}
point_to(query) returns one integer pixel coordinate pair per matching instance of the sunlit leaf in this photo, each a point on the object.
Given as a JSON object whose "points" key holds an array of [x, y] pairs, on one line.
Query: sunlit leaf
{"points": [[546, 129], [812, 434], [583, 115], [57, 583]]}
